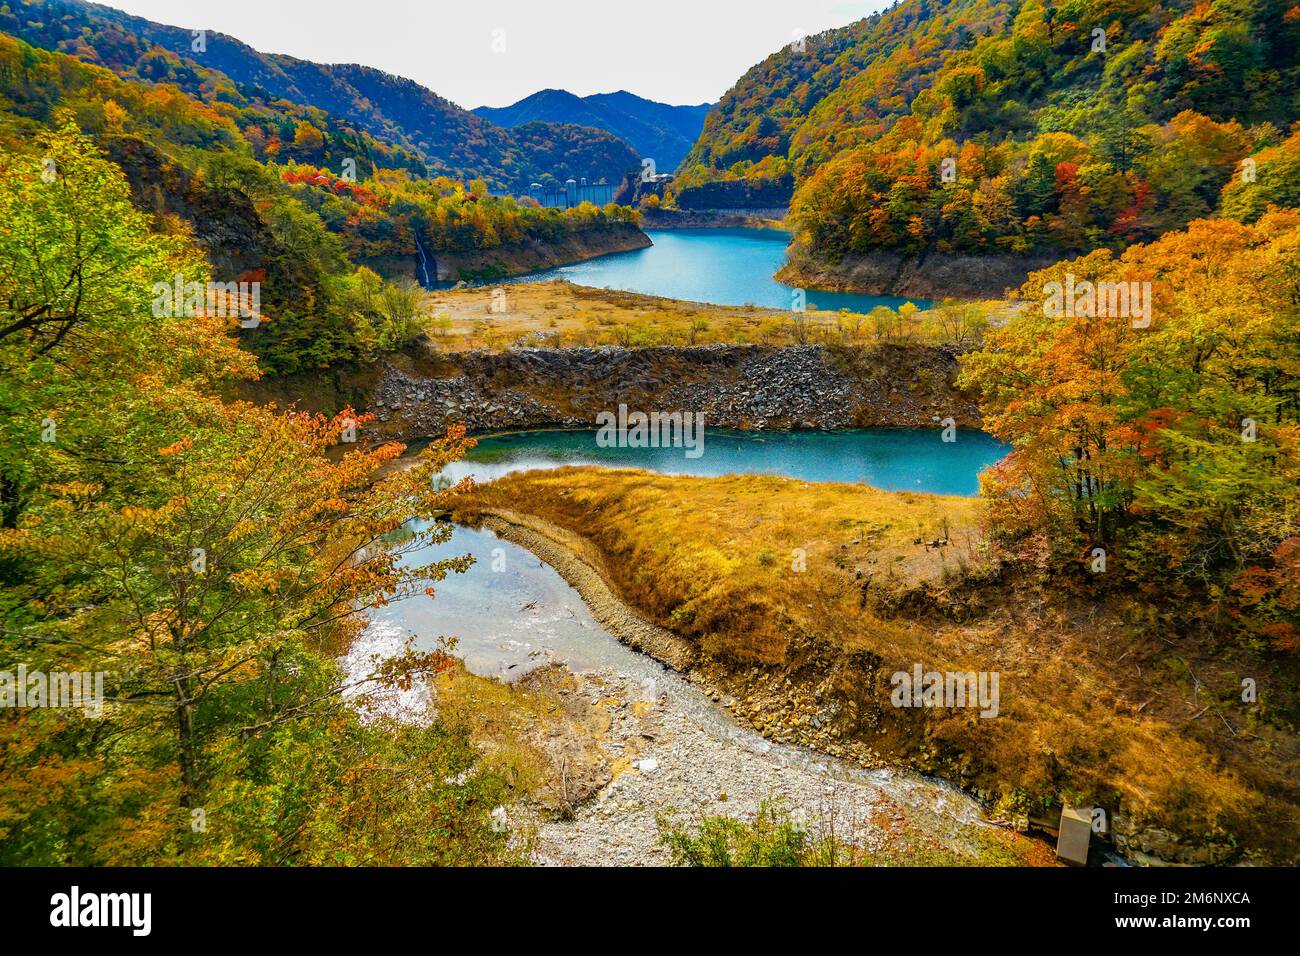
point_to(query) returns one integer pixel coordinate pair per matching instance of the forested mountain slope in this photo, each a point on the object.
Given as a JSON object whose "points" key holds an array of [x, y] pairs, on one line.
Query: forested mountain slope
{"points": [[406, 124], [984, 126]]}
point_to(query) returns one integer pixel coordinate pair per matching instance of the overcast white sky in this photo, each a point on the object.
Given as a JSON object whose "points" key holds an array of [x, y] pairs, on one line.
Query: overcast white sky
{"points": [[675, 51]]}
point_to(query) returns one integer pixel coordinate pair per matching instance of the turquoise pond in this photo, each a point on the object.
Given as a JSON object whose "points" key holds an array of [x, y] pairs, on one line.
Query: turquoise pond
{"points": [[895, 459]]}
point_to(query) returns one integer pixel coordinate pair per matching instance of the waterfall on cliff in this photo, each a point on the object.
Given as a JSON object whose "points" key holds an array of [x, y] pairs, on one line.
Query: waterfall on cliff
{"points": [[425, 279]]}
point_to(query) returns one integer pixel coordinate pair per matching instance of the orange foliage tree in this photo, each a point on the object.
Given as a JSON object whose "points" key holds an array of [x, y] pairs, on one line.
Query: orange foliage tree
{"points": [[1173, 444]]}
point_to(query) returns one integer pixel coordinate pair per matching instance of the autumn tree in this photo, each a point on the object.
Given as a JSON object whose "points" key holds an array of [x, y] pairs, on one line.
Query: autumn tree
{"points": [[210, 558], [1171, 444]]}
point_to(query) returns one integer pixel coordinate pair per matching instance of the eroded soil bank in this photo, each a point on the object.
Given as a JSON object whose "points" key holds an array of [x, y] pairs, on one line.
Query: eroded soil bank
{"points": [[770, 218]]}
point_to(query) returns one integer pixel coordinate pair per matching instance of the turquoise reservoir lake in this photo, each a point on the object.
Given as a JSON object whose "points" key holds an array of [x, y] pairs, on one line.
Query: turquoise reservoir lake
{"points": [[895, 459], [718, 266]]}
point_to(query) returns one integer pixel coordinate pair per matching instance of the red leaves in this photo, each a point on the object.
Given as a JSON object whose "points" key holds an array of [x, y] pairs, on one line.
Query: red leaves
{"points": [[1129, 222], [1272, 594], [321, 179], [1145, 431]]}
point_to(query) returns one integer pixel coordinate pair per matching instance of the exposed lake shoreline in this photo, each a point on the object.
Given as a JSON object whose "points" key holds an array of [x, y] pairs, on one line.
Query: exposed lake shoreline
{"points": [[934, 275], [807, 660], [771, 218], [746, 694], [513, 259], [761, 698]]}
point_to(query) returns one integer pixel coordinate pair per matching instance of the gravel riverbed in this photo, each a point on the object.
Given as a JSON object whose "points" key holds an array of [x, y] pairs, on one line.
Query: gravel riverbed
{"points": [[673, 752]]}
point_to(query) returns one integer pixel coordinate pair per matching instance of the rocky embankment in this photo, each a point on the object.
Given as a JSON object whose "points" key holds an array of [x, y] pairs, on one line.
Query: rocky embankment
{"points": [[734, 386], [933, 276], [514, 259]]}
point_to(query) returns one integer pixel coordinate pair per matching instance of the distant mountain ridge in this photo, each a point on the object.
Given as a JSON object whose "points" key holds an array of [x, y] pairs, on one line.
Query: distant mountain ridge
{"points": [[657, 131], [450, 140]]}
